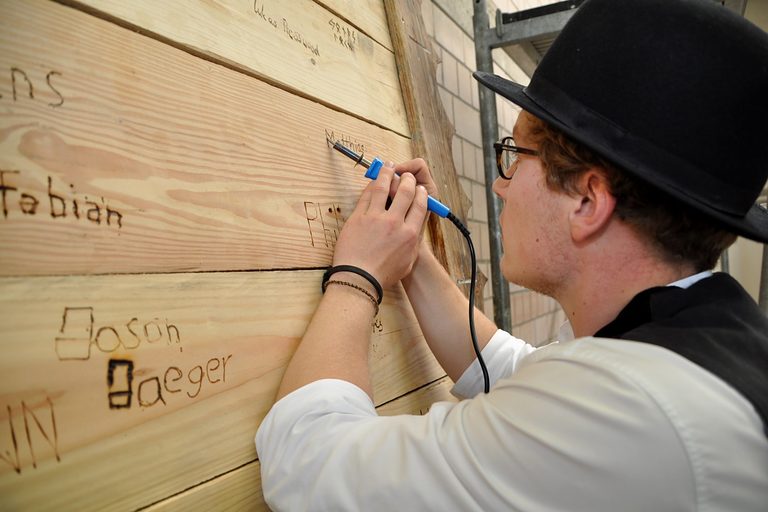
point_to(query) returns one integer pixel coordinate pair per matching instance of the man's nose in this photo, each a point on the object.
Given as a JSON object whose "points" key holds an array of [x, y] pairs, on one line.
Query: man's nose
{"points": [[498, 187]]}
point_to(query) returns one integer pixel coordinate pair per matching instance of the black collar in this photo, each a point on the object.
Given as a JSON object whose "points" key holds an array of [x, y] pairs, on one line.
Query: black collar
{"points": [[637, 312]]}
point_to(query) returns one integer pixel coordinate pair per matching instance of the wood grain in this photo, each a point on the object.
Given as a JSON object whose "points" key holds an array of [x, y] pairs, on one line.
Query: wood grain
{"points": [[298, 44], [204, 168], [146, 138], [237, 490], [143, 386]]}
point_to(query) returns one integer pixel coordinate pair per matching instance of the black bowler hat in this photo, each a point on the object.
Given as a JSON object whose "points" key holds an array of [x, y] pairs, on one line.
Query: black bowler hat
{"points": [[673, 91]]}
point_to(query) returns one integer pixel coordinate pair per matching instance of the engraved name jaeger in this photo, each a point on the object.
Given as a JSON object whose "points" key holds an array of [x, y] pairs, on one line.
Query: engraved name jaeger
{"points": [[79, 334]]}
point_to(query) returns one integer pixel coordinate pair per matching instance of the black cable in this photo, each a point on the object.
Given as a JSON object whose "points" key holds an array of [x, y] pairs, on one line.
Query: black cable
{"points": [[473, 280]]}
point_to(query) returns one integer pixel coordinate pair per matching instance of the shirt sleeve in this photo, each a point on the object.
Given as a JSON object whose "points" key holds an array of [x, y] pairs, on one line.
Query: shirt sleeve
{"points": [[545, 438], [502, 356]]}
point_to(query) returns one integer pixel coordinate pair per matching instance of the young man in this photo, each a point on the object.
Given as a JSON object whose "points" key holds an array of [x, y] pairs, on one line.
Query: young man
{"points": [[638, 156]]}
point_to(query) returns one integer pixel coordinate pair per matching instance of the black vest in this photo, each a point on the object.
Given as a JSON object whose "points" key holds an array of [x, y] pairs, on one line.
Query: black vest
{"points": [[713, 323]]}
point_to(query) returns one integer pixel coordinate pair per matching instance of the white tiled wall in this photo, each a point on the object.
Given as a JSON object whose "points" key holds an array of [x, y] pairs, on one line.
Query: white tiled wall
{"points": [[535, 317]]}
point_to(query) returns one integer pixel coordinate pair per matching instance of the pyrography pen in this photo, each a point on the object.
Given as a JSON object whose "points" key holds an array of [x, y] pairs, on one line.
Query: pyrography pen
{"points": [[372, 172]]}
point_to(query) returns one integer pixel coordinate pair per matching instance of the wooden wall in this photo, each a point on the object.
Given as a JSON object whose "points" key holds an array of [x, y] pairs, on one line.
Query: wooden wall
{"points": [[169, 200]]}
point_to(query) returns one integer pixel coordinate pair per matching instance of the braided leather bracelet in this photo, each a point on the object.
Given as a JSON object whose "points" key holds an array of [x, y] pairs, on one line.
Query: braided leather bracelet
{"points": [[360, 288], [355, 270]]}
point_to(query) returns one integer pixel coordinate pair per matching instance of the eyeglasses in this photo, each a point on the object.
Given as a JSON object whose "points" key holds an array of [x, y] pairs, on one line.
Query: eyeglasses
{"points": [[506, 156]]}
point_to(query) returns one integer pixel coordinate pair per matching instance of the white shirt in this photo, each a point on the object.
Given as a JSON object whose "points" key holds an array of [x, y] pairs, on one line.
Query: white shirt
{"points": [[591, 424]]}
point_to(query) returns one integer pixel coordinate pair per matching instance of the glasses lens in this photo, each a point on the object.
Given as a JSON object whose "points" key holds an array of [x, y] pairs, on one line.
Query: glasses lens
{"points": [[508, 156]]}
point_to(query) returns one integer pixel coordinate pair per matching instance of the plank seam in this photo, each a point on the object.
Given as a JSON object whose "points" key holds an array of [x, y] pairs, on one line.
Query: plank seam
{"points": [[203, 482], [414, 390], [234, 271], [220, 475], [214, 59]]}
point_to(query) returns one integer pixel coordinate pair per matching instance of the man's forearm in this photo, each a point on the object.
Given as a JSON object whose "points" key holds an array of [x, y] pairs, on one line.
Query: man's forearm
{"points": [[442, 311], [333, 349]]}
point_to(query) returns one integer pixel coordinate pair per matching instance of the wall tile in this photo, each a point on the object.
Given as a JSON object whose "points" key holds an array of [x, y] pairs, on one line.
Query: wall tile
{"points": [[467, 121], [465, 83], [447, 100], [478, 197], [469, 53], [450, 74], [479, 165], [456, 152], [426, 14], [439, 61], [448, 34], [468, 156]]}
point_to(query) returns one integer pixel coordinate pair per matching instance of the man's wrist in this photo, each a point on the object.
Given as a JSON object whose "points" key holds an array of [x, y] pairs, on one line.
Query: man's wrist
{"points": [[423, 258], [352, 291], [371, 280], [353, 285]]}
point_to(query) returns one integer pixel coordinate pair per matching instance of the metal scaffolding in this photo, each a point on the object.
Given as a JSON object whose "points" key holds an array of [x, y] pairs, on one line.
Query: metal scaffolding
{"points": [[535, 29], [542, 23]]}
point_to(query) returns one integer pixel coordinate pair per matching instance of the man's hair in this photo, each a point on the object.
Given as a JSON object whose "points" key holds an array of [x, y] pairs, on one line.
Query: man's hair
{"points": [[677, 232]]}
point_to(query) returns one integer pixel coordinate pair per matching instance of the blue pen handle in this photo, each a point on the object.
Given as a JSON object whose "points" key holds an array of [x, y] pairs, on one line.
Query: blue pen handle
{"points": [[433, 204]]}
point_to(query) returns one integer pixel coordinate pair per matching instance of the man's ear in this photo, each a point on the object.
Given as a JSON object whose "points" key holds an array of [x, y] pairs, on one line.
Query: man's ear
{"points": [[593, 206]]}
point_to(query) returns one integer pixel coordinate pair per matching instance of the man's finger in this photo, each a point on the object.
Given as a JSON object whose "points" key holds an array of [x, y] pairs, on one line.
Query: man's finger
{"points": [[364, 202], [393, 186], [418, 167], [406, 191], [418, 210], [380, 189]]}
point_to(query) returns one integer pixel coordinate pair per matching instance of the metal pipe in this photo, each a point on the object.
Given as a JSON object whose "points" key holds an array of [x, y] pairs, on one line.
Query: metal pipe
{"points": [[725, 264], [489, 127], [763, 299]]}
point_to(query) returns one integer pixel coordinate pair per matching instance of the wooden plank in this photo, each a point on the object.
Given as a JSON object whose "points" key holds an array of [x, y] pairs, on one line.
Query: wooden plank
{"points": [[367, 15], [420, 400], [432, 131], [298, 44], [139, 387], [241, 488], [122, 154], [237, 490]]}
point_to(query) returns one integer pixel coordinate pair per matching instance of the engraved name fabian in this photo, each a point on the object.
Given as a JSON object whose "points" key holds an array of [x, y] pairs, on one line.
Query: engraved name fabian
{"points": [[57, 204]]}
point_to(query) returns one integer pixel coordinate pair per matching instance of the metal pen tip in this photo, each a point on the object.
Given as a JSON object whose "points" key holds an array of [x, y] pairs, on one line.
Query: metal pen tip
{"points": [[341, 148]]}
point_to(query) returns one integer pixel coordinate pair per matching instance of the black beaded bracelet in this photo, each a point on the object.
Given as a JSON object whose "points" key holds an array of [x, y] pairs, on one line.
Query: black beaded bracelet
{"points": [[355, 270]]}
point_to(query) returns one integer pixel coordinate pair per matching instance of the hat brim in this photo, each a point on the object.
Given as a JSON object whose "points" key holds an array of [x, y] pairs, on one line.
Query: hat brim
{"points": [[753, 225]]}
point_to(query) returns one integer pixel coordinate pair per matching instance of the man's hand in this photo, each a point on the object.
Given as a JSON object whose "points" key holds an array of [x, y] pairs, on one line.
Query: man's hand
{"points": [[418, 168], [384, 241]]}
